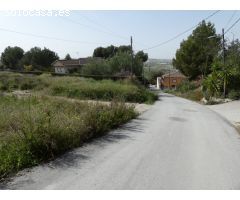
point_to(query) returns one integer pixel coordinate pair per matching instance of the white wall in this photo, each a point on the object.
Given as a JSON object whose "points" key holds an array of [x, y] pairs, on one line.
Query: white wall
{"points": [[158, 82], [61, 70]]}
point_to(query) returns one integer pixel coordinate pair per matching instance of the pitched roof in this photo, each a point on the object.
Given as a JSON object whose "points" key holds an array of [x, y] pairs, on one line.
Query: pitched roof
{"points": [[62, 63], [74, 62], [174, 74]]}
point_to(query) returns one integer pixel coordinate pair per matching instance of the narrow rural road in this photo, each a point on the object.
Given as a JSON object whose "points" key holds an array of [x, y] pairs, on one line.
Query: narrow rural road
{"points": [[176, 144]]}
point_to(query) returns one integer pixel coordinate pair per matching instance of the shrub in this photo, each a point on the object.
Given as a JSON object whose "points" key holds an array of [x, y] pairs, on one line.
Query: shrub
{"points": [[76, 87], [38, 129], [234, 94], [13, 81], [100, 90], [186, 86], [194, 95]]}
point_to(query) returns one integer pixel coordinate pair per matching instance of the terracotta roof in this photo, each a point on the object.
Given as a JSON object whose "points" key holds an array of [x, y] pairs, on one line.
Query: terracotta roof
{"points": [[174, 74]]}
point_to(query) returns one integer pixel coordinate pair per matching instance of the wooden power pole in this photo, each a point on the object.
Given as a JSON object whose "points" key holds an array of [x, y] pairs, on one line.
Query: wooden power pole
{"points": [[131, 56], [223, 47]]}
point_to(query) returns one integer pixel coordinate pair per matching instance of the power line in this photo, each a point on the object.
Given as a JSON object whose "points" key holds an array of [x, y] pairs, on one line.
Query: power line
{"points": [[46, 37], [106, 29], [180, 34], [94, 28], [230, 19], [102, 25], [232, 25]]}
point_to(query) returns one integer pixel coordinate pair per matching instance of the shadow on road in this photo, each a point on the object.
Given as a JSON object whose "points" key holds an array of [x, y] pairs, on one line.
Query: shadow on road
{"points": [[82, 154], [178, 119], [126, 131], [76, 158], [69, 159]]}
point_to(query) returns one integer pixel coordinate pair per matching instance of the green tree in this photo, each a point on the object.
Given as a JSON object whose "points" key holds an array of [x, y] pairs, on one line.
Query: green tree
{"points": [[143, 56], [218, 81], [40, 59], [68, 57], [98, 52], [110, 51], [11, 57], [231, 71], [97, 67], [212, 83], [124, 48], [196, 54], [122, 63], [106, 52]]}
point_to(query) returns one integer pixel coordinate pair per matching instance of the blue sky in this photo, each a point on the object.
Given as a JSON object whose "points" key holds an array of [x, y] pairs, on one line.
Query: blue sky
{"points": [[102, 28]]}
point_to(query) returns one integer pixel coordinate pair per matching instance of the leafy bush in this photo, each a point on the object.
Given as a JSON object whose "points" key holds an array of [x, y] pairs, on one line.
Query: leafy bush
{"points": [[14, 81], [194, 95], [99, 67], [186, 86], [107, 90], [151, 75], [234, 94], [34, 130], [76, 87]]}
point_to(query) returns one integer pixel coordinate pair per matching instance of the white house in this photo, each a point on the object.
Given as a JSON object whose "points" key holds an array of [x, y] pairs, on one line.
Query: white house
{"points": [[65, 66]]}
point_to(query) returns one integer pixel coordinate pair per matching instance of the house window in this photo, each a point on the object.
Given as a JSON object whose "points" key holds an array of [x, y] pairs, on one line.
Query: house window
{"points": [[174, 80]]}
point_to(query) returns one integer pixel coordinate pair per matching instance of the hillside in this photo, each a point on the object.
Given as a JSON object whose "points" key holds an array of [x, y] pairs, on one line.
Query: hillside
{"points": [[159, 64]]}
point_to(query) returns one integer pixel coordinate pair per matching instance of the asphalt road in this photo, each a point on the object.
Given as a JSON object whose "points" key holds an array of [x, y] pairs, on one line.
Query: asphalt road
{"points": [[176, 144]]}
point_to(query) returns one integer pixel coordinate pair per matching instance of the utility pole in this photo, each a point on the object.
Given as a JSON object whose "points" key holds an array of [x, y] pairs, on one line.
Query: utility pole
{"points": [[131, 56], [169, 79], [223, 47]]}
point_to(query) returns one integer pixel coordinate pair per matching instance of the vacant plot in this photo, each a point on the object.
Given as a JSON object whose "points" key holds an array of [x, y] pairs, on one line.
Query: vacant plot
{"points": [[39, 126], [36, 129], [76, 87]]}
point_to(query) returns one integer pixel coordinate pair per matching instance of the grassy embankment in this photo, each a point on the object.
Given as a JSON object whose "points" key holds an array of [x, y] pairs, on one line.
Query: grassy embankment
{"points": [[188, 90], [37, 128], [80, 88]]}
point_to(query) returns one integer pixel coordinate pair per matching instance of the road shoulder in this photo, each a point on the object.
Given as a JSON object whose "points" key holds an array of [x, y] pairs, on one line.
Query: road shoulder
{"points": [[230, 111]]}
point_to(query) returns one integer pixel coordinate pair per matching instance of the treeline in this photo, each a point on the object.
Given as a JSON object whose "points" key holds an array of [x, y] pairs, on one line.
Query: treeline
{"points": [[111, 51], [15, 58], [116, 61], [202, 57]]}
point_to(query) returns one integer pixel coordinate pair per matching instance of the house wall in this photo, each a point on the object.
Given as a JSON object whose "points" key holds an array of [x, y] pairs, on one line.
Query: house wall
{"points": [[65, 69], [174, 81], [61, 70]]}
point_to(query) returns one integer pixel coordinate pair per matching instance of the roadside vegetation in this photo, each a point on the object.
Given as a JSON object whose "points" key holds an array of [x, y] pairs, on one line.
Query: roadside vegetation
{"points": [[36, 125], [37, 129], [77, 87], [107, 90], [202, 59], [188, 90]]}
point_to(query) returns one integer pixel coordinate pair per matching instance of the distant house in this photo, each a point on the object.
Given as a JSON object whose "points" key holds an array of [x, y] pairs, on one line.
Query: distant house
{"points": [[66, 66], [170, 80]]}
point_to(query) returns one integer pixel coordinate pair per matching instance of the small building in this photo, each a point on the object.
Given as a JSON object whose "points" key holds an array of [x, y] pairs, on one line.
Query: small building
{"points": [[170, 80], [66, 66]]}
